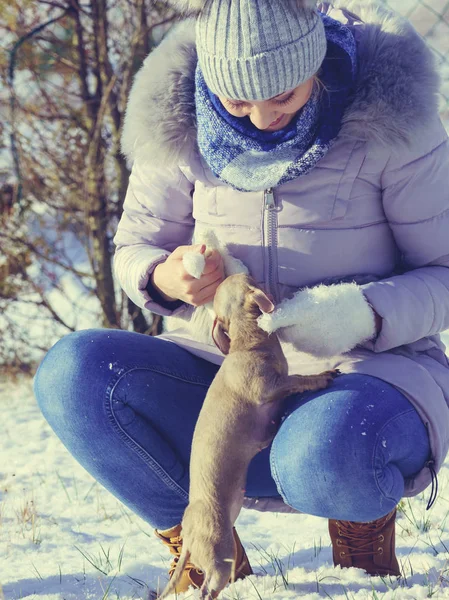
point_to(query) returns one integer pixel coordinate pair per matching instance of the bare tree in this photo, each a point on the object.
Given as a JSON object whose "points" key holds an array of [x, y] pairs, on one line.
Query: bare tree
{"points": [[67, 73]]}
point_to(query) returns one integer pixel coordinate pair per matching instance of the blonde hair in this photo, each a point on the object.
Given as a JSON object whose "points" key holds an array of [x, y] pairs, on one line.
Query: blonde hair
{"points": [[319, 82]]}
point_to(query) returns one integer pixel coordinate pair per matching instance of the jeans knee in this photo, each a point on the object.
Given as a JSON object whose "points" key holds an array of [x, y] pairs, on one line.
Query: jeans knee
{"points": [[320, 475], [326, 488], [345, 452], [61, 371]]}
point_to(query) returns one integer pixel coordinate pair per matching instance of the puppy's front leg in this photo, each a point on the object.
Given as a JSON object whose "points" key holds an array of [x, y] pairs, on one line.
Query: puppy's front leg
{"points": [[297, 384]]}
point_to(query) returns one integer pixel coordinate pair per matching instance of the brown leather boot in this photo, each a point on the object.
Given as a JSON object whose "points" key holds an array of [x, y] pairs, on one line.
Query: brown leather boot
{"points": [[193, 577], [369, 546]]}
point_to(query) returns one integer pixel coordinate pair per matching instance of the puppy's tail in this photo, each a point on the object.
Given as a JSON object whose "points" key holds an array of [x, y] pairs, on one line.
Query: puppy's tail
{"points": [[171, 586]]}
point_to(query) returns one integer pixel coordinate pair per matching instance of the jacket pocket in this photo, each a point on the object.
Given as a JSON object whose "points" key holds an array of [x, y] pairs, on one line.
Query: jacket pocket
{"points": [[204, 201], [323, 195], [350, 173]]}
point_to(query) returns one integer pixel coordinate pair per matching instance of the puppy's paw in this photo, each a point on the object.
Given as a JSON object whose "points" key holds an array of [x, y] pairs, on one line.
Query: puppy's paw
{"points": [[329, 376], [334, 373]]}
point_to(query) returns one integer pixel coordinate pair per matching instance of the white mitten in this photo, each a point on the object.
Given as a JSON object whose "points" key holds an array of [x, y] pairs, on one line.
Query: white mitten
{"points": [[324, 321], [194, 261]]}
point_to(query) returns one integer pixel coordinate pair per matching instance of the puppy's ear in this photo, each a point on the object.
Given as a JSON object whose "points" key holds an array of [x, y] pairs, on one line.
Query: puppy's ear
{"points": [[220, 337], [262, 300]]}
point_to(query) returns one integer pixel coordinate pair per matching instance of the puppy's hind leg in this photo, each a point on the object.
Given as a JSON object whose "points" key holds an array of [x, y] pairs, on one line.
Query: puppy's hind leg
{"points": [[217, 578], [171, 586], [212, 586], [206, 594]]}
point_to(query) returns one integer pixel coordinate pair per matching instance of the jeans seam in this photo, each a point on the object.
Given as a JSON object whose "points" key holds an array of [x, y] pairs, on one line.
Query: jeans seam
{"points": [[169, 373], [376, 446], [276, 478], [129, 441]]}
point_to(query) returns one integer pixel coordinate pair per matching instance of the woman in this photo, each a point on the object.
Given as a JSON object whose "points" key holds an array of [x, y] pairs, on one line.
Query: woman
{"points": [[309, 142]]}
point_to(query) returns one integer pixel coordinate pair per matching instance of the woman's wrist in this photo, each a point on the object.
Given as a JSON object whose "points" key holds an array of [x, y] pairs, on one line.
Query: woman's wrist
{"points": [[154, 281], [159, 297]]}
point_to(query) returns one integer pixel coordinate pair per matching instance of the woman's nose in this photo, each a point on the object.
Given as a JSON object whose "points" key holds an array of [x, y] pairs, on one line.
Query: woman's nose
{"points": [[262, 118]]}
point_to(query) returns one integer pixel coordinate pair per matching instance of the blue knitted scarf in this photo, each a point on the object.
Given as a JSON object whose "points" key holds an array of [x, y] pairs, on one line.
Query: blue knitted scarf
{"points": [[249, 159]]}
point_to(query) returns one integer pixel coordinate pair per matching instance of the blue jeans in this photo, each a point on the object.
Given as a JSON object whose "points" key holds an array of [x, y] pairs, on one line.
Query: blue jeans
{"points": [[125, 406]]}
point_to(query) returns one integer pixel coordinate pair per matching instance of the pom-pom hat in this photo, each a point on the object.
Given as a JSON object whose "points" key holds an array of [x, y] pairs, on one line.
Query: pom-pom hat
{"points": [[256, 49]]}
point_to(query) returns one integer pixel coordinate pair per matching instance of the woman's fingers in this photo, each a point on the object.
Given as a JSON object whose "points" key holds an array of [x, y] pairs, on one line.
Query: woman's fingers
{"points": [[171, 279], [213, 261], [207, 293], [207, 280]]}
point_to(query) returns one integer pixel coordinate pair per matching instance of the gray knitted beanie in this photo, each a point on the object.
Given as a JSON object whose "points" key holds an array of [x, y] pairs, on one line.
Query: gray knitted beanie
{"points": [[257, 49]]}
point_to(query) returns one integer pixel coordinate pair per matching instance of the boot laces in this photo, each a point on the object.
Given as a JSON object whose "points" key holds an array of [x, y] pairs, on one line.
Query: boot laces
{"points": [[175, 547], [359, 537]]}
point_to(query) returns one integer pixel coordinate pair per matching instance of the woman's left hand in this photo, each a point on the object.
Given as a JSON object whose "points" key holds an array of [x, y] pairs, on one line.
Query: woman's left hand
{"points": [[324, 320]]}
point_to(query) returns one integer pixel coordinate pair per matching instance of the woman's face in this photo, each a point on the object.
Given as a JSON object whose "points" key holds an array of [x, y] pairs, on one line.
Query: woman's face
{"points": [[272, 114]]}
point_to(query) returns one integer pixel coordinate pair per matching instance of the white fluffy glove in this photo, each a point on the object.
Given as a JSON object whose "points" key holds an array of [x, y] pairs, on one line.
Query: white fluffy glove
{"points": [[194, 262], [324, 321], [203, 316]]}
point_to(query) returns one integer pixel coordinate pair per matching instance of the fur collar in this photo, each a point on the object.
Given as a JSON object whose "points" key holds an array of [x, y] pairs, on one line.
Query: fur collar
{"points": [[396, 92]]}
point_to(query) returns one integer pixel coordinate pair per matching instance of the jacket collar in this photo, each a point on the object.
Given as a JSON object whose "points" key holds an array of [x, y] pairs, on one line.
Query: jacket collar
{"points": [[396, 90]]}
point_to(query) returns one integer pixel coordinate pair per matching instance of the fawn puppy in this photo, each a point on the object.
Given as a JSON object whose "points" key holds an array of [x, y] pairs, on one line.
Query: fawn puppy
{"points": [[239, 417]]}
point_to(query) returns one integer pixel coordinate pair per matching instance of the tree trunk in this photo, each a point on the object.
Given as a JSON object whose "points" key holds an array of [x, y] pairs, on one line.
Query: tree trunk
{"points": [[101, 245]]}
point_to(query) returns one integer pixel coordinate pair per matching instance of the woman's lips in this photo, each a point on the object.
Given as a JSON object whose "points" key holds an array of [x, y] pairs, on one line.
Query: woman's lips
{"points": [[276, 122]]}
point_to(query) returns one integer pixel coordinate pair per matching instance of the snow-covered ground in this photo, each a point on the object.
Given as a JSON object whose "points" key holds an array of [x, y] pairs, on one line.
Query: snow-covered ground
{"points": [[64, 537]]}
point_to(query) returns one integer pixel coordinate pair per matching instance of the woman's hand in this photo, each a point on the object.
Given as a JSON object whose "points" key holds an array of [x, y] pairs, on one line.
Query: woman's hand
{"points": [[324, 320], [173, 282]]}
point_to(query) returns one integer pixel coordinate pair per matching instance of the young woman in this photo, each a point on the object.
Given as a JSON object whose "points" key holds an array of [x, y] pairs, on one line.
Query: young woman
{"points": [[308, 140]]}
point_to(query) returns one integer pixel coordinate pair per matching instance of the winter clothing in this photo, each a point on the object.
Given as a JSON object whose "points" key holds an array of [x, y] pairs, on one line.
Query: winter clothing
{"points": [[126, 405], [257, 50], [249, 159], [374, 210], [193, 577], [236, 155], [317, 319], [368, 546]]}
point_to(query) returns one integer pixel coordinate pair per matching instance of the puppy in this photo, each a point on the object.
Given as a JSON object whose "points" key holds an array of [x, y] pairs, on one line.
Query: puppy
{"points": [[239, 418]]}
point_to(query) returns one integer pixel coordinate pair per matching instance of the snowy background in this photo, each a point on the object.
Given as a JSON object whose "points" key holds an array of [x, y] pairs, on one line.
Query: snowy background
{"points": [[64, 537]]}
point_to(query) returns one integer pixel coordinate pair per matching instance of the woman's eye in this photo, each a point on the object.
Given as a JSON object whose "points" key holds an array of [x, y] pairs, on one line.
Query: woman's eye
{"points": [[240, 105], [233, 105], [286, 100]]}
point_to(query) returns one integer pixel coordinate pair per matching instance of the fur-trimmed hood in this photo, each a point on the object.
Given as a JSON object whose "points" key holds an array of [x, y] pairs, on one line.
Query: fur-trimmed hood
{"points": [[396, 88]]}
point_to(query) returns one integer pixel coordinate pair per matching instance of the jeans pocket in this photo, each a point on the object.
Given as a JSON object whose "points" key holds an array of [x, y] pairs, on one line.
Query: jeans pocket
{"points": [[143, 436]]}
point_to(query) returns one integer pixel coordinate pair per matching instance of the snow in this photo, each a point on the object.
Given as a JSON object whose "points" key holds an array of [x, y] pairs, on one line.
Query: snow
{"points": [[65, 537]]}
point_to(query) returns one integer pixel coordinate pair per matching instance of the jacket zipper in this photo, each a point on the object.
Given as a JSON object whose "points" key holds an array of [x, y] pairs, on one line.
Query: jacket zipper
{"points": [[430, 464], [270, 227]]}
